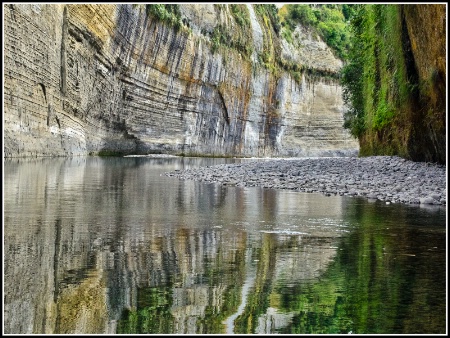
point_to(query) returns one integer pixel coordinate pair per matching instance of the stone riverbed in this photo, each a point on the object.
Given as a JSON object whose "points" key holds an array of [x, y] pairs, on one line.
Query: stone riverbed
{"points": [[386, 178]]}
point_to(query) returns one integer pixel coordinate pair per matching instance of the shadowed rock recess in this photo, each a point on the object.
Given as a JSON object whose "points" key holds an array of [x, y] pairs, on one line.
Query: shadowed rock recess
{"points": [[112, 79]]}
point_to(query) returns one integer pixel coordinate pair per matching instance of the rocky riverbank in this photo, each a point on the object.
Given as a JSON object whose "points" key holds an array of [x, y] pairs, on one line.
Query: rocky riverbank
{"points": [[386, 178]]}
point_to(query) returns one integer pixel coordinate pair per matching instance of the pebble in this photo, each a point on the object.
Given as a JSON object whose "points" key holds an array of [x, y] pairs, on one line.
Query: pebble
{"points": [[386, 178]]}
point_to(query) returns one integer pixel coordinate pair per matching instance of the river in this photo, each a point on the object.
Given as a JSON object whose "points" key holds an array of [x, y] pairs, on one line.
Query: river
{"points": [[110, 245]]}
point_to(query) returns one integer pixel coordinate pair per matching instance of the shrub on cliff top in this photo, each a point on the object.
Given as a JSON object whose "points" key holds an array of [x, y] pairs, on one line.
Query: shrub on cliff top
{"points": [[166, 13], [241, 15], [329, 21]]}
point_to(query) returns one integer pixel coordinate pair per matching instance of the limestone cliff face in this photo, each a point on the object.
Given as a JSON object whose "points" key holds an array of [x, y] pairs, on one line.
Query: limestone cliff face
{"points": [[83, 79]]}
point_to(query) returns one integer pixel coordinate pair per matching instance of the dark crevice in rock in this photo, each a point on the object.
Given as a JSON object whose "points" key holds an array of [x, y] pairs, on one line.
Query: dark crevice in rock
{"points": [[225, 110], [63, 53]]}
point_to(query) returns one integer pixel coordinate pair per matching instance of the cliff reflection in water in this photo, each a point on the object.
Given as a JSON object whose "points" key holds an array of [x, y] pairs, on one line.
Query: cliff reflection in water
{"points": [[98, 245]]}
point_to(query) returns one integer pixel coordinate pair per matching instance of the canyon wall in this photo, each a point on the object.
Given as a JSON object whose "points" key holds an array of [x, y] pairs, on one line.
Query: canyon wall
{"points": [[427, 28], [396, 80], [113, 79]]}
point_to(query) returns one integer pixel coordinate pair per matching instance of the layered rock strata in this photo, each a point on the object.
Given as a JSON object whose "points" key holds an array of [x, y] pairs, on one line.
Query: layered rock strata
{"points": [[110, 78]]}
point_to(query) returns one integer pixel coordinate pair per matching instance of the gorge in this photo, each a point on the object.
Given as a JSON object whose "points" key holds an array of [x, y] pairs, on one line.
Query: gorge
{"points": [[225, 192]]}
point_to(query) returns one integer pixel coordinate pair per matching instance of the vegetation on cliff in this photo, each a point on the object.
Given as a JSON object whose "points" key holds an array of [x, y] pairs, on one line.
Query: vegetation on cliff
{"points": [[395, 103], [391, 109], [269, 58], [324, 305], [236, 39], [330, 21], [167, 13]]}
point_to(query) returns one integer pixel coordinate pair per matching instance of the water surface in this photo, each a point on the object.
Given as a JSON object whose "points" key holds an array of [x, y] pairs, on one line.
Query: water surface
{"points": [[109, 245]]}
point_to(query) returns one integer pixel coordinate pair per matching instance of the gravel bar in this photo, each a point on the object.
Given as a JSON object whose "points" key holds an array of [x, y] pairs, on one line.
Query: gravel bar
{"points": [[386, 178]]}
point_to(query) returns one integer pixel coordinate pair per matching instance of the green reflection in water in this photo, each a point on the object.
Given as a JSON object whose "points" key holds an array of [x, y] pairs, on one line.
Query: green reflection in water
{"points": [[379, 283], [387, 276], [258, 300], [152, 314], [155, 307], [85, 249]]}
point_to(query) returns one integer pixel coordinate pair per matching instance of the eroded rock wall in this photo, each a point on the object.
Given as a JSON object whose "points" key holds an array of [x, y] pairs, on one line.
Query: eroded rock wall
{"points": [[93, 78], [426, 31]]}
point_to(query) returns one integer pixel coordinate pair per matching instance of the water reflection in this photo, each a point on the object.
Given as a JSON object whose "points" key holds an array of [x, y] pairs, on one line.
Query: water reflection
{"points": [[108, 245]]}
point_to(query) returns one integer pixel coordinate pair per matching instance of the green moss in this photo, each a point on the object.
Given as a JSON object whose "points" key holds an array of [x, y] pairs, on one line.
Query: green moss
{"points": [[381, 85], [166, 13], [269, 58], [287, 35], [241, 15], [271, 12], [222, 37], [238, 38], [383, 115]]}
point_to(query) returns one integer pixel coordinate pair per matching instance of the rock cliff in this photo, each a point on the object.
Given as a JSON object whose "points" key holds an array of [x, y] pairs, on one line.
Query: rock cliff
{"points": [[113, 78], [395, 79], [426, 27]]}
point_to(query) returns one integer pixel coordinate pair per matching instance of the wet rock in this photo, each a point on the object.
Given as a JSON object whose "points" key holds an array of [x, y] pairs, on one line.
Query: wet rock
{"points": [[427, 200]]}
